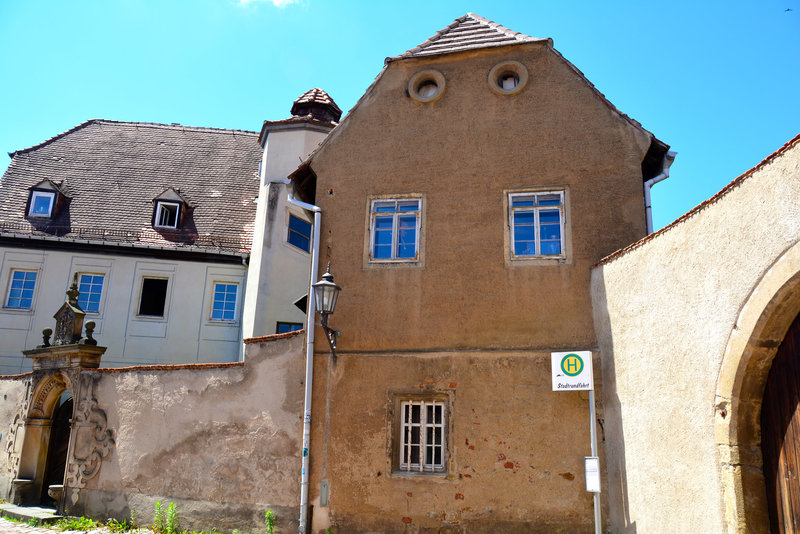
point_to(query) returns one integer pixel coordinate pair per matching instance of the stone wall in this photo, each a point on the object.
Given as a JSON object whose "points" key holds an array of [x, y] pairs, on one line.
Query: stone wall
{"points": [[221, 441], [668, 314]]}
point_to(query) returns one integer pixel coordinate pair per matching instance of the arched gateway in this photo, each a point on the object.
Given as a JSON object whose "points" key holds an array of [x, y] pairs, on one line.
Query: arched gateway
{"points": [[765, 336], [61, 429]]}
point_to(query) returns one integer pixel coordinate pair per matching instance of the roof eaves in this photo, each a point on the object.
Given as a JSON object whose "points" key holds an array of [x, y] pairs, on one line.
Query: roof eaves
{"points": [[694, 211]]}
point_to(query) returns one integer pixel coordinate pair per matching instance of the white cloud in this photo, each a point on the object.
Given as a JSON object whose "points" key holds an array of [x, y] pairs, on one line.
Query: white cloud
{"points": [[276, 3]]}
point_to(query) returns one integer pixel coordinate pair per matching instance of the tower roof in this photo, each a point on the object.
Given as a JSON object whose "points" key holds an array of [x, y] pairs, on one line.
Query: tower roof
{"points": [[469, 32], [318, 104]]}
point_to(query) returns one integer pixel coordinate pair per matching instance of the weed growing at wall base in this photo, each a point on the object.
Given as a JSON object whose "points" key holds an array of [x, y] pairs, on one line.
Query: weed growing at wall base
{"points": [[269, 521]]}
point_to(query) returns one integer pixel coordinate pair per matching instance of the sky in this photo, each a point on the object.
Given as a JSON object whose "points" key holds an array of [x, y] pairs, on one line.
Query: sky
{"points": [[717, 81]]}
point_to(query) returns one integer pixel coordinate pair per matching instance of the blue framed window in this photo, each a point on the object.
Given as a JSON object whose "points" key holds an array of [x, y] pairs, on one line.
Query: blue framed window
{"points": [[20, 289], [394, 229], [299, 233], [283, 328], [537, 224], [90, 287], [224, 305]]}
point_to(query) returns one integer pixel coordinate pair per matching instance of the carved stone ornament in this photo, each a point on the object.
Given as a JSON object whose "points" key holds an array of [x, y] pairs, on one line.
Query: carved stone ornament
{"points": [[92, 439], [14, 440]]}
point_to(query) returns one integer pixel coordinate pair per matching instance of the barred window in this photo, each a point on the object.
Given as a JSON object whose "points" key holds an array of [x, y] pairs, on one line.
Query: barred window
{"points": [[422, 436]]}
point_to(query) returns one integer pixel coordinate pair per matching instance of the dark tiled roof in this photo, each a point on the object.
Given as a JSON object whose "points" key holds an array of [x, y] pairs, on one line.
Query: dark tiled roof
{"points": [[111, 172], [316, 96], [703, 205], [469, 32]]}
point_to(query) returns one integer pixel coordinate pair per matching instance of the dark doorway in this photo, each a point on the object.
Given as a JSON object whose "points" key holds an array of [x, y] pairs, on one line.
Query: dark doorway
{"points": [[780, 434], [57, 448]]}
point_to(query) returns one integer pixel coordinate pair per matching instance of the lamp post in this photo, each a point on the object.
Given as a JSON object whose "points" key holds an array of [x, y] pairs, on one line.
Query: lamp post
{"points": [[326, 292]]}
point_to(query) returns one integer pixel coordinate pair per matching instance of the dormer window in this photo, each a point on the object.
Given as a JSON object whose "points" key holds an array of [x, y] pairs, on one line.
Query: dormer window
{"points": [[169, 210], [167, 214], [41, 204], [45, 200]]}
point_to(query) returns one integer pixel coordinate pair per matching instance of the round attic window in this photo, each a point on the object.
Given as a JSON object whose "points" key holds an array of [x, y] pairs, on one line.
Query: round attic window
{"points": [[426, 86], [508, 78]]}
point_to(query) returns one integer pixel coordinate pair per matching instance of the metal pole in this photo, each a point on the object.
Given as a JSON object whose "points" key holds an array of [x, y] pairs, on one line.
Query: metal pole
{"points": [[598, 522]]}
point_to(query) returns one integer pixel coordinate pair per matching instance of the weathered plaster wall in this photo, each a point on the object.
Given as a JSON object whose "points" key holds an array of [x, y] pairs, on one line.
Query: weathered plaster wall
{"points": [[516, 448], [664, 314], [185, 334], [223, 443], [466, 320], [462, 153], [12, 396]]}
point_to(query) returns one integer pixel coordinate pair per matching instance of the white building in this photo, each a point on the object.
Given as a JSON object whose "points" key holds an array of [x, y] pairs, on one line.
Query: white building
{"points": [[156, 223]]}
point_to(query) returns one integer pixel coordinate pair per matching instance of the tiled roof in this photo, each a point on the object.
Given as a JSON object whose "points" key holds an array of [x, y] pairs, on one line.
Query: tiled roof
{"points": [[111, 171], [700, 207], [469, 32], [316, 96]]}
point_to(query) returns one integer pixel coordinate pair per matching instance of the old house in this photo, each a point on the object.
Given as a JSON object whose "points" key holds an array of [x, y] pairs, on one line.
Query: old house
{"points": [[464, 201]]}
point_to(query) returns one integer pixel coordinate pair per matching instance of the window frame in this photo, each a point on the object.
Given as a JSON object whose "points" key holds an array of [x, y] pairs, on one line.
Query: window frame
{"points": [[400, 433], [81, 274], [235, 317], [32, 200], [157, 218], [6, 305], [289, 232], [564, 256], [373, 214]]}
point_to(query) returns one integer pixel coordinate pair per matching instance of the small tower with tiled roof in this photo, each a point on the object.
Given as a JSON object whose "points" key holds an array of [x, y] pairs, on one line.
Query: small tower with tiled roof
{"points": [[317, 104]]}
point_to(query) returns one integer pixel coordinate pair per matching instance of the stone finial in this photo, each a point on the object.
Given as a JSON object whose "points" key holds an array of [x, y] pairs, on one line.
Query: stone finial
{"points": [[46, 333], [72, 292], [89, 327]]}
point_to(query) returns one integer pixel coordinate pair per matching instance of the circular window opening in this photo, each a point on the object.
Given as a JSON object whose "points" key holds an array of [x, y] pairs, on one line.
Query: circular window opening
{"points": [[508, 78], [426, 86]]}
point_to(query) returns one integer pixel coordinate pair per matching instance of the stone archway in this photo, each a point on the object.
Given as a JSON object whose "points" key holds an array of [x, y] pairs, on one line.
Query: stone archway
{"points": [[760, 328], [48, 387]]}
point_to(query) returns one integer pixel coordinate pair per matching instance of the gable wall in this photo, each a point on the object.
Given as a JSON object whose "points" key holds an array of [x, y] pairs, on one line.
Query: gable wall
{"points": [[460, 153]]}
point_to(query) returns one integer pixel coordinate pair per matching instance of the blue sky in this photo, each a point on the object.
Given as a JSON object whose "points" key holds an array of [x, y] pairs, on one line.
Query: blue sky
{"points": [[718, 81]]}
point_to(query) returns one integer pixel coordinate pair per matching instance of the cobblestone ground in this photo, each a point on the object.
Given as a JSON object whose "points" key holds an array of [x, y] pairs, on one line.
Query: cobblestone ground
{"points": [[11, 527]]}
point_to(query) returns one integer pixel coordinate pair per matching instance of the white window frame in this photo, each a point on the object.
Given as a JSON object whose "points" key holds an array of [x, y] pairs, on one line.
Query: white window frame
{"points": [[406, 463], [9, 288], [537, 233], [81, 274], [50, 195], [235, 302], [159, 210], [395, 226]]}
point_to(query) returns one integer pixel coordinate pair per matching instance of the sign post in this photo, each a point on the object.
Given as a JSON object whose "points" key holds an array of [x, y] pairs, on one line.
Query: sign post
{"points": [[572, 371]]}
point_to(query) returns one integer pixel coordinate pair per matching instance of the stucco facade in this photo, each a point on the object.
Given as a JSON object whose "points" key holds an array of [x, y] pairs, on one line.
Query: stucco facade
{"points": [[464, 323], [688, 322], [185, 333]]}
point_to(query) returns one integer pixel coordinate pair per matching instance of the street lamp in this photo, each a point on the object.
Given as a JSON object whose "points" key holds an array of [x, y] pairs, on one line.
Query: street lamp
{"points": [[326, 292]]}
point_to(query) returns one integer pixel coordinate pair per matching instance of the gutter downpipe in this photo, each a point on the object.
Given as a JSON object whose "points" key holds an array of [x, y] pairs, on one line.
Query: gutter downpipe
{"points": [[311, 315], [669, 157]]}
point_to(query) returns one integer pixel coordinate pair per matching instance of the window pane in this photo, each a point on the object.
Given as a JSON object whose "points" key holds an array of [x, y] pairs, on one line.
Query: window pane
{"points": [[550, 231], [408, 205], [90, 288], [384, 206], [383, 223], [41, 203], [283, 328], [528, 200], [154, 297], [524, 233], [551, 247], [382, 251], [224, 305], [549, 200], [523, 217], [524, 248], [549, 216], [20, 291], [299, 241]]}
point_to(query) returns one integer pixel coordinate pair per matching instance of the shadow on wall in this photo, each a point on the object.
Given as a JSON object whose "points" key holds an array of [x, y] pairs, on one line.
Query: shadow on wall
{"points": [[618, 518]]}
